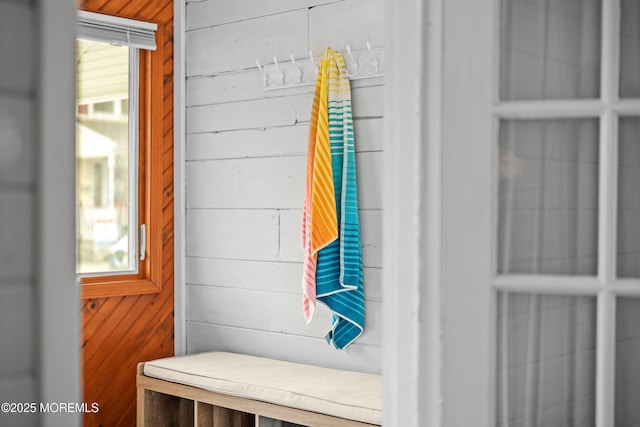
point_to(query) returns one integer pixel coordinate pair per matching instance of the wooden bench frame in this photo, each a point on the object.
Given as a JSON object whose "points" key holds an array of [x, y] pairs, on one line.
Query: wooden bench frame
{"points": [[163, 403]]}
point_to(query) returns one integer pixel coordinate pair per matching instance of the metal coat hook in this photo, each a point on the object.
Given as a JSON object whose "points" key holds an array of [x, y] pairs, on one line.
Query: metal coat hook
{"points": [[374, 60], [316, 67], [265, 77], [294, 72], [313, 61], [281, 73], [353, 60], [297, 77]]}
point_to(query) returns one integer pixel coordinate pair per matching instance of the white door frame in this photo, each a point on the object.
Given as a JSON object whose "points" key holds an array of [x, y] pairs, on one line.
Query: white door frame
{"points": [[179, 179], [412, 347], [58, 294]]}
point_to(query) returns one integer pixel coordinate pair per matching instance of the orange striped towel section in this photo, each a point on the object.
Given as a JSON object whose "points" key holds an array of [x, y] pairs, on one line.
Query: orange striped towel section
{"points": [[319, 217]]}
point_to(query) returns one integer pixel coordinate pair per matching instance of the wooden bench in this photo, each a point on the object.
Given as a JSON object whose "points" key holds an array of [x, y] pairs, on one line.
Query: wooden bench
{"points": [[232, 390]]}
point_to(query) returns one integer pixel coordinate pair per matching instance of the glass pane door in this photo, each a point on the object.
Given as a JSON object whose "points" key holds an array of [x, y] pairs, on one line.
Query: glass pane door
{"points": [[541, 147], [546, 360], [567, 239], [548, 196], [550, 49]]}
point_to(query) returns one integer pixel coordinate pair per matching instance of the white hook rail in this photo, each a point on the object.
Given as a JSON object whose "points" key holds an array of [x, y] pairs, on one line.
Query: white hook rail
{"points": [[304, 71]]}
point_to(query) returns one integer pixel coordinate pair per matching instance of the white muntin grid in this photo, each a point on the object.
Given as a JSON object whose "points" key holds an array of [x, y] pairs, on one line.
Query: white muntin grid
{"points": [[607, 109]]}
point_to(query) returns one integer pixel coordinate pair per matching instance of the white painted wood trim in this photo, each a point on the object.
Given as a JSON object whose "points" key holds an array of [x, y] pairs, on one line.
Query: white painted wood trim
{"points": [[179, 182], [431, 350], [565, 285], [605, 359], [58, 293], [468, 217], [411, 334], [549, 109], [546, 284], [568, 109], [607, 208]]}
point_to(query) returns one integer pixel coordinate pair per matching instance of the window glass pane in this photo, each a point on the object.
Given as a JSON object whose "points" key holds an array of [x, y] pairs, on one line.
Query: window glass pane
{"points": [[550, 49], [546, 360], [627, 410], [104, 216], [630, 48], [548, 197], [629, 198]]}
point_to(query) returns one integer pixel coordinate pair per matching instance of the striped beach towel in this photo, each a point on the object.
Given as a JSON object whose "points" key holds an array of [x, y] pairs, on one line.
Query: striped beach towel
{"points": [[331, 229]]}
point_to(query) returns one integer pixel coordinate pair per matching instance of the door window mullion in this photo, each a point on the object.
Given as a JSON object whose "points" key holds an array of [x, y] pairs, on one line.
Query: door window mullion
{"points": [[607, 207]]}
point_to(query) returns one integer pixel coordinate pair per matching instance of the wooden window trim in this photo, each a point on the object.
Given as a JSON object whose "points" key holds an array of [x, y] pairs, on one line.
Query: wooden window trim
{"points": [[150, 191]]}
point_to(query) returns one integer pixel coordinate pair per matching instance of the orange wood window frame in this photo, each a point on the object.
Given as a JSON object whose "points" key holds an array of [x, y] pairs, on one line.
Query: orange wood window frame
{"points": [[150, 190]]}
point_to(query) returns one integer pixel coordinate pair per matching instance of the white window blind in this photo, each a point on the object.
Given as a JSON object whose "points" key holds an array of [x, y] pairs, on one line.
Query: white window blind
{"points": [[115, 30]]}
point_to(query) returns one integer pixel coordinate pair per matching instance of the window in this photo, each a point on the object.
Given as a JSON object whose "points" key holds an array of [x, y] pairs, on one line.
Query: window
{"points": [[114, 150]]}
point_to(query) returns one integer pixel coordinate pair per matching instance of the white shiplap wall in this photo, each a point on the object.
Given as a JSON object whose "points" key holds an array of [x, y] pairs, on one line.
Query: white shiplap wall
{"points": [[18, 320], [245, 166]]}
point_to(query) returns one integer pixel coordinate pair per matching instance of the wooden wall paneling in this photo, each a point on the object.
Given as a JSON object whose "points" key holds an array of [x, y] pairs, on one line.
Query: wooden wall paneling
{"points": [[128, 343], [209, 13], [275, 276], [133, 8], [119, 332], [274, 142], [357, 357], [370, 173], [369, 134], [267, 182], [96, 313], [227, 233], [270, 112], [95, 345], [278, 313], [148, 10], [271, 182], [96, 6], [246, 154], [290, 235], [245, 85], [102, 360], [271, 142], [166, 15], [236, 46], [370, 229], [367, 102], [262, 113], [112, 379], [161, 333], [351, 22]]}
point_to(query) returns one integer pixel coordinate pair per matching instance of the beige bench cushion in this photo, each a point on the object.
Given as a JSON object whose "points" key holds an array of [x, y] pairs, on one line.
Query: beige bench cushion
{"points": [[350, 395]]}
